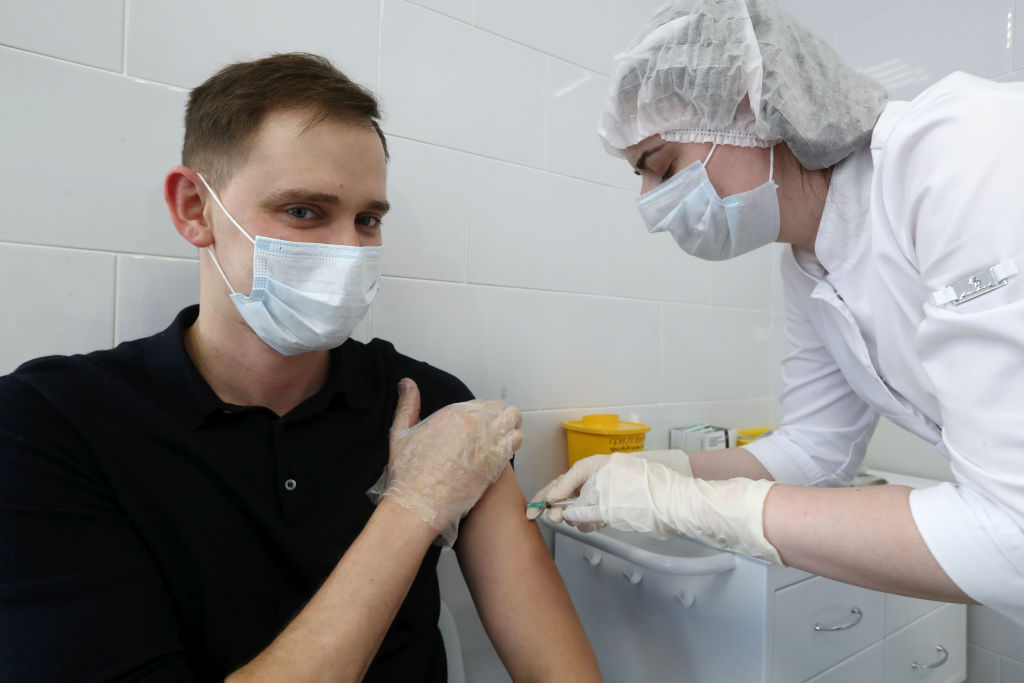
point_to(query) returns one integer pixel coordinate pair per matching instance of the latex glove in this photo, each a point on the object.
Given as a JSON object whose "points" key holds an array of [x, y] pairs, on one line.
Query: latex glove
{"points": [[566, 485], [638, 495], [439, 468]]}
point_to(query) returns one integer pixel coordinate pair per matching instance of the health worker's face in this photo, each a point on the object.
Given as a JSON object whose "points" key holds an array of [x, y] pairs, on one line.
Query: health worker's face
{"points": [[731, 169]]}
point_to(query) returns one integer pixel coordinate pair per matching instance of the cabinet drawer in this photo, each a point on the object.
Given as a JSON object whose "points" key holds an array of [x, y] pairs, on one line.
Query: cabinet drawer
{"points": [[918, 642], [848, 619], [864, 667], [900, 610]]}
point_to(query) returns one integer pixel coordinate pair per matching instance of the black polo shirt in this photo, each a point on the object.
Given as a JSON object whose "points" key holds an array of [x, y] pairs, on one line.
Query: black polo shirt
{"points": [[150, 531]]}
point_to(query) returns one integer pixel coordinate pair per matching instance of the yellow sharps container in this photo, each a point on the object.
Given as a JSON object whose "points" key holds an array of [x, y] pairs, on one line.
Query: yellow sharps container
{"points": [[603, 434]]}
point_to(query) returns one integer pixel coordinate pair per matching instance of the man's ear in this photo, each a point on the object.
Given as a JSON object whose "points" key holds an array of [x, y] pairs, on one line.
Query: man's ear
{"points": [[186, 202]]}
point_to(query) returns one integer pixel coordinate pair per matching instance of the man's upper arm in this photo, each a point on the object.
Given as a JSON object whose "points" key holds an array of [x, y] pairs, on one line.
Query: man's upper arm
{"points": [[81, 598]]}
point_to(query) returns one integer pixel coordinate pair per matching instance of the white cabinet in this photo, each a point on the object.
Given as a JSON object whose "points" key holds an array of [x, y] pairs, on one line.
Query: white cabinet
{"points": [[679, 611], [928, 649], [864, 667], [819, 623]]}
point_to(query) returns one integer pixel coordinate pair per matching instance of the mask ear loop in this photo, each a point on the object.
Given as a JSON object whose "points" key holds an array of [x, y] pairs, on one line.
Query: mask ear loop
{"points": [[230, 217], [771, 163], [213, 254], [714, 145]]}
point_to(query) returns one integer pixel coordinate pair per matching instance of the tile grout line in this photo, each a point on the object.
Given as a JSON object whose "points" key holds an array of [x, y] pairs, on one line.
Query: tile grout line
{"points": [[89, 67], [124, 41], [117, 280], [86, 250], [606, 297], [380, 40]]}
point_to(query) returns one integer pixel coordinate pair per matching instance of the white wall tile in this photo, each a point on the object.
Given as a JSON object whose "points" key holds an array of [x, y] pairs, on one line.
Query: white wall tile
{"points": [[713, 353], [87, 32], [151, 291], [457, 9], [486, 336], [650, 266], [1012, 77], [185, 42], [982, 666], [914, 44], [578, 31], [740, 414], [61, 302], [84, 157], [894, 449], [425, 232], [532, 229], [996, 633], [744, 281], [1010, 671], [450, 84], [575, 101], [1018, 36], [544, 454], [822, 18], [598, 352]]}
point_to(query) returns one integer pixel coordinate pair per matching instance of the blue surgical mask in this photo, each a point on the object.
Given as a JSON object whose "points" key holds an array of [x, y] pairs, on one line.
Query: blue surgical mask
{"points": [[706, 225], [305, 296]]}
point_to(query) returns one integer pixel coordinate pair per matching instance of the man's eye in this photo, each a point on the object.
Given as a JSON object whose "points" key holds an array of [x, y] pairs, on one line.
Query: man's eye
{"points": [[301, 212], [669, 172], [368, 221]]}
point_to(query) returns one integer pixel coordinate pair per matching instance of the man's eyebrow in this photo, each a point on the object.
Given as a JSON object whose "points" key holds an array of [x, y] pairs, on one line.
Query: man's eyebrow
{"points": [[643, 158], [379, 205], [287, 196], [305, 196]]}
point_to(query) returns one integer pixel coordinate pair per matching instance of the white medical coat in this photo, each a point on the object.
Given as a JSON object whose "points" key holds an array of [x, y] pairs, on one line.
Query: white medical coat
{"points": [[938, 197]]}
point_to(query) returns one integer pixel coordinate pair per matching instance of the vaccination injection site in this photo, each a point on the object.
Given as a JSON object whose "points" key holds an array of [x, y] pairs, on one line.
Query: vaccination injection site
{"points": [[478, 341]]}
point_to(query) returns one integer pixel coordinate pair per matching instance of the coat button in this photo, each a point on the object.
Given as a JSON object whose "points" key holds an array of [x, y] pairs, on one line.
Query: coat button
{"points": [[290, 484]]}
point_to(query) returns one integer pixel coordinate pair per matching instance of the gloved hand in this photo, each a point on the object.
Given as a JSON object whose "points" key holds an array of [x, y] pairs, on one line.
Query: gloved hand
{"points": [[637, 495], [439, 468], [574, 478]]}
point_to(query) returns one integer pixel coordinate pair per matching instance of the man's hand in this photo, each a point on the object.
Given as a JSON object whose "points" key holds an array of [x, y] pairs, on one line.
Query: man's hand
{"points": [[439, 468]]}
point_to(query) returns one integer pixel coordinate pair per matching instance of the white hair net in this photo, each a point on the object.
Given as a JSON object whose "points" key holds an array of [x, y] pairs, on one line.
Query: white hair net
{"points": [[738, 72]]}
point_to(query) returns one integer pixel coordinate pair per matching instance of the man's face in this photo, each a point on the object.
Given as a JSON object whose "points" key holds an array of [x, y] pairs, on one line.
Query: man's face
{"points": [[323, 184]]}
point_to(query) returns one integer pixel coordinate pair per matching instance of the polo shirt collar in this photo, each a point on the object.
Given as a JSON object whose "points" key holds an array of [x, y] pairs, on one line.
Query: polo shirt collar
{"points": [[185, 393]]}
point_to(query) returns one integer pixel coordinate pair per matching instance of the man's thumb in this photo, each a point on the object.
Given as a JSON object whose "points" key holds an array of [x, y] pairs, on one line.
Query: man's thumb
{"points": [[408, 411]]}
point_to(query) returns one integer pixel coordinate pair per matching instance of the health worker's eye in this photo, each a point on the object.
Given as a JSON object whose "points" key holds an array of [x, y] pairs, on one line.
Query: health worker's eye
{"points": [[368, 221]]}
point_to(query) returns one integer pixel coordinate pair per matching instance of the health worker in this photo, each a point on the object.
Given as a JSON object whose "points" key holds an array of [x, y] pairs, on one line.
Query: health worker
{"points": [[905, 226]]}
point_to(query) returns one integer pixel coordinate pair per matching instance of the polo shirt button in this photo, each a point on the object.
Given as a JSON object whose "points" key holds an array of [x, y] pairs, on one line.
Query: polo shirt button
{"points": [[290, 484]]}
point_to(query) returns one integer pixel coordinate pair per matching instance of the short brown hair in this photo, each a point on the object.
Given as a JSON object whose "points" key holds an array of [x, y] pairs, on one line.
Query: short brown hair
{"points": [[226, 111]]}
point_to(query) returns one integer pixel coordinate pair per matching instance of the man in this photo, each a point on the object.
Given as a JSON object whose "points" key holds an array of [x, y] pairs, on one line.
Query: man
{"points": [[192, 506]]}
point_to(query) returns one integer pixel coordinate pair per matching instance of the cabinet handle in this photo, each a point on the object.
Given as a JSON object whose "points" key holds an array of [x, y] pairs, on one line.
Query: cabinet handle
{"points": [[857, 616], [684, 598], [943, 656]]}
